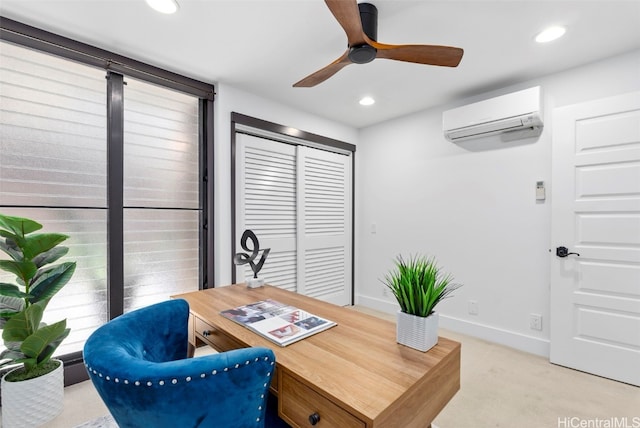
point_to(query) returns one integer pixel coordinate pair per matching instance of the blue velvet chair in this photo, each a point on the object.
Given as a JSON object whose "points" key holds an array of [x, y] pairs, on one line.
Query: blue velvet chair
{"points": [[138, 363]]}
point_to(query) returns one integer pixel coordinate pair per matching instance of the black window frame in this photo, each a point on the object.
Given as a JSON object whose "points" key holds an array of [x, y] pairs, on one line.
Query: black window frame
{"points": [[117, 67]]}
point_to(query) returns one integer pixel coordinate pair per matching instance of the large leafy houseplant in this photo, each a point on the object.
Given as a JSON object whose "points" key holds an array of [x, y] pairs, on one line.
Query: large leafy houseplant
{"points": [[28, 340]]}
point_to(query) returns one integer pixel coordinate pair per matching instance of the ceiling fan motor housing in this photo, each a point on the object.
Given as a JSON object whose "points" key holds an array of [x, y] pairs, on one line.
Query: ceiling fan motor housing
{"points": [[369, 17], [362, 54]]}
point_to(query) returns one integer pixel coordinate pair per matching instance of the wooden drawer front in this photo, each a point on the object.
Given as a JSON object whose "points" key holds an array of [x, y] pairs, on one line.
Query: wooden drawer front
{"points": [[214, 337], [298, 402], [221, 343], [274, 381], [191, 332]]}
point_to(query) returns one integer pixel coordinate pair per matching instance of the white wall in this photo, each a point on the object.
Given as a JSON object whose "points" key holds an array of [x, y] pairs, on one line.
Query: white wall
{"points": [[473, 207], [230, 99]]}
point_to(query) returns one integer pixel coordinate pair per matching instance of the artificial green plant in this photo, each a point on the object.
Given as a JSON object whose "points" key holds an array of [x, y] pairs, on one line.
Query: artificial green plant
{"points": [[28, 340], [419, 285]]}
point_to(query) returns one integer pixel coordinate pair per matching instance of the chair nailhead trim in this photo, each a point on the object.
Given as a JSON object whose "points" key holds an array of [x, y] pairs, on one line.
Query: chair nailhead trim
{"points": [[188, 378]]}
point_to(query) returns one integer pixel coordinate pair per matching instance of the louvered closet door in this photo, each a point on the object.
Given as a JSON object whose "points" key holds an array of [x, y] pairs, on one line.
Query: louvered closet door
{"points": [[266, 204], [324, 225], [297, 200]]}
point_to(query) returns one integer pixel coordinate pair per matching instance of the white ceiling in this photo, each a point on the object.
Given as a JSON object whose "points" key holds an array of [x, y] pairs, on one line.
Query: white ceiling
{"points": [[264, 46]]}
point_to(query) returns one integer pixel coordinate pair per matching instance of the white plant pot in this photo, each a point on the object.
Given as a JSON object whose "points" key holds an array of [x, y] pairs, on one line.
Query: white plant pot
{"points": [[34, 402], [419, 333]]}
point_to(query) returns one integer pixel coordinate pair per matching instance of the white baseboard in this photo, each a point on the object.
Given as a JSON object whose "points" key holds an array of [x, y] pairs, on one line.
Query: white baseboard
{"points": [[522, 342]]}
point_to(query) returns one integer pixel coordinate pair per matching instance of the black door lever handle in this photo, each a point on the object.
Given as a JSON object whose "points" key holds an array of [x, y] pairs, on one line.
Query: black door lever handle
{"points": [[564, 252]]}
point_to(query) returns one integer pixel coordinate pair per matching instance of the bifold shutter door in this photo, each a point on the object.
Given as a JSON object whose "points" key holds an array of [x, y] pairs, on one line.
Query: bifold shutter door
{"points": [[324, 228], [266, 203], [297, 200]]}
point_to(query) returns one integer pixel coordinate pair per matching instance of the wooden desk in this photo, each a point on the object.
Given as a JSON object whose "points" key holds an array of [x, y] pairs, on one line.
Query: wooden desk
{"points": [[352, 375]]}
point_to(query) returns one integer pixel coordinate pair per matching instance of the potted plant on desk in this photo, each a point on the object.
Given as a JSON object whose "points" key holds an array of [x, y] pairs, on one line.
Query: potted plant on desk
{"points": [[32, 393], [418, 285]]}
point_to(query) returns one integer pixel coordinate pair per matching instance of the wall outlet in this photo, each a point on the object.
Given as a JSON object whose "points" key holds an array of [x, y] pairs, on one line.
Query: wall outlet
{"points": [[473, 307], [385, 291], [535, 321]]}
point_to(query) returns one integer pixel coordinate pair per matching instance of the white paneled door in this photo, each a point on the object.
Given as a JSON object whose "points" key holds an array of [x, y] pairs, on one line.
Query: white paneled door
{"points": [[595, 294], [297, 200]]}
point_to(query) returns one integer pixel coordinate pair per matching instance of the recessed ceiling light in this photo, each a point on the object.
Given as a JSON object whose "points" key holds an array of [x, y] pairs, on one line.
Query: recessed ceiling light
{"points": [[367, 101], [550, 34], [164, 6]]}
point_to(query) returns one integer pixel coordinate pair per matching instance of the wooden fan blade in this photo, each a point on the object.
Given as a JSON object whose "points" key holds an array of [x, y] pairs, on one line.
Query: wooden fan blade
{"points": [[347, 14], [324, 73], [421, 54]]}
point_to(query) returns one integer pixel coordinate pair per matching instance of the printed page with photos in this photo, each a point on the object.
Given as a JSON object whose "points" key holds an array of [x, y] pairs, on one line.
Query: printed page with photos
{"points": [[278, 322]]}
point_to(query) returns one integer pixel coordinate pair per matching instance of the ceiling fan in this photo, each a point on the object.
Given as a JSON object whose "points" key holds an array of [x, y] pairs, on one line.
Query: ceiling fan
{"points": [[360, 22]]}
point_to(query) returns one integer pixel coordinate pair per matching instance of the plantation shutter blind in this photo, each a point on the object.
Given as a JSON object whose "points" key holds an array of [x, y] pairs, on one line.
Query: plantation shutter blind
{"points": [[53, 145], [54, 169], [266, 204], [161, 194]]}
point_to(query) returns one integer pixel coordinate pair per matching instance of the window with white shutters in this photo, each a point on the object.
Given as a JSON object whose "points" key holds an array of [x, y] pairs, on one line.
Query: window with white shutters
{"points": [[77, 150]]}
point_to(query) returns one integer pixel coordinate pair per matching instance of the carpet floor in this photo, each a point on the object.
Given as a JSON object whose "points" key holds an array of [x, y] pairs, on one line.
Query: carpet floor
{"points": [[500, 388]]}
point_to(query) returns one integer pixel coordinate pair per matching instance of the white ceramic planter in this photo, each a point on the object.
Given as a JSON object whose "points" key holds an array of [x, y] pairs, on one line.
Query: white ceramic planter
{"points": [[419, 333], [32, 402]]}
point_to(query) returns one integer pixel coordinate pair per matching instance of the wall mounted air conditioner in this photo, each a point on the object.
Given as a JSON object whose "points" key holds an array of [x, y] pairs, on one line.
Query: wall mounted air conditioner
{"points": [[516, 115]]}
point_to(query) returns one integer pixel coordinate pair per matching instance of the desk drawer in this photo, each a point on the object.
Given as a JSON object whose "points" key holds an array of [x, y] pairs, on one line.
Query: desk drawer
{"points": [[214, 337], [298, 402]]}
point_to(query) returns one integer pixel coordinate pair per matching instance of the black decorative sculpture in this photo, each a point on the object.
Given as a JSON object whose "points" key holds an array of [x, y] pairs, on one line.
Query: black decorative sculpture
{"points": [[244, 258]]}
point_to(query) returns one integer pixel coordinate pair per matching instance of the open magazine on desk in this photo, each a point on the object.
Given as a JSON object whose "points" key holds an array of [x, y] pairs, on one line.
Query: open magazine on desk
{"points": [[282, 324]]}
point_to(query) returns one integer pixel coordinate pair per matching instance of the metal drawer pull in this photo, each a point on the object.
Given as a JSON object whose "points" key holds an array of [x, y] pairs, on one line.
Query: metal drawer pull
{"points": [[314, 418], [206, 333]]}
